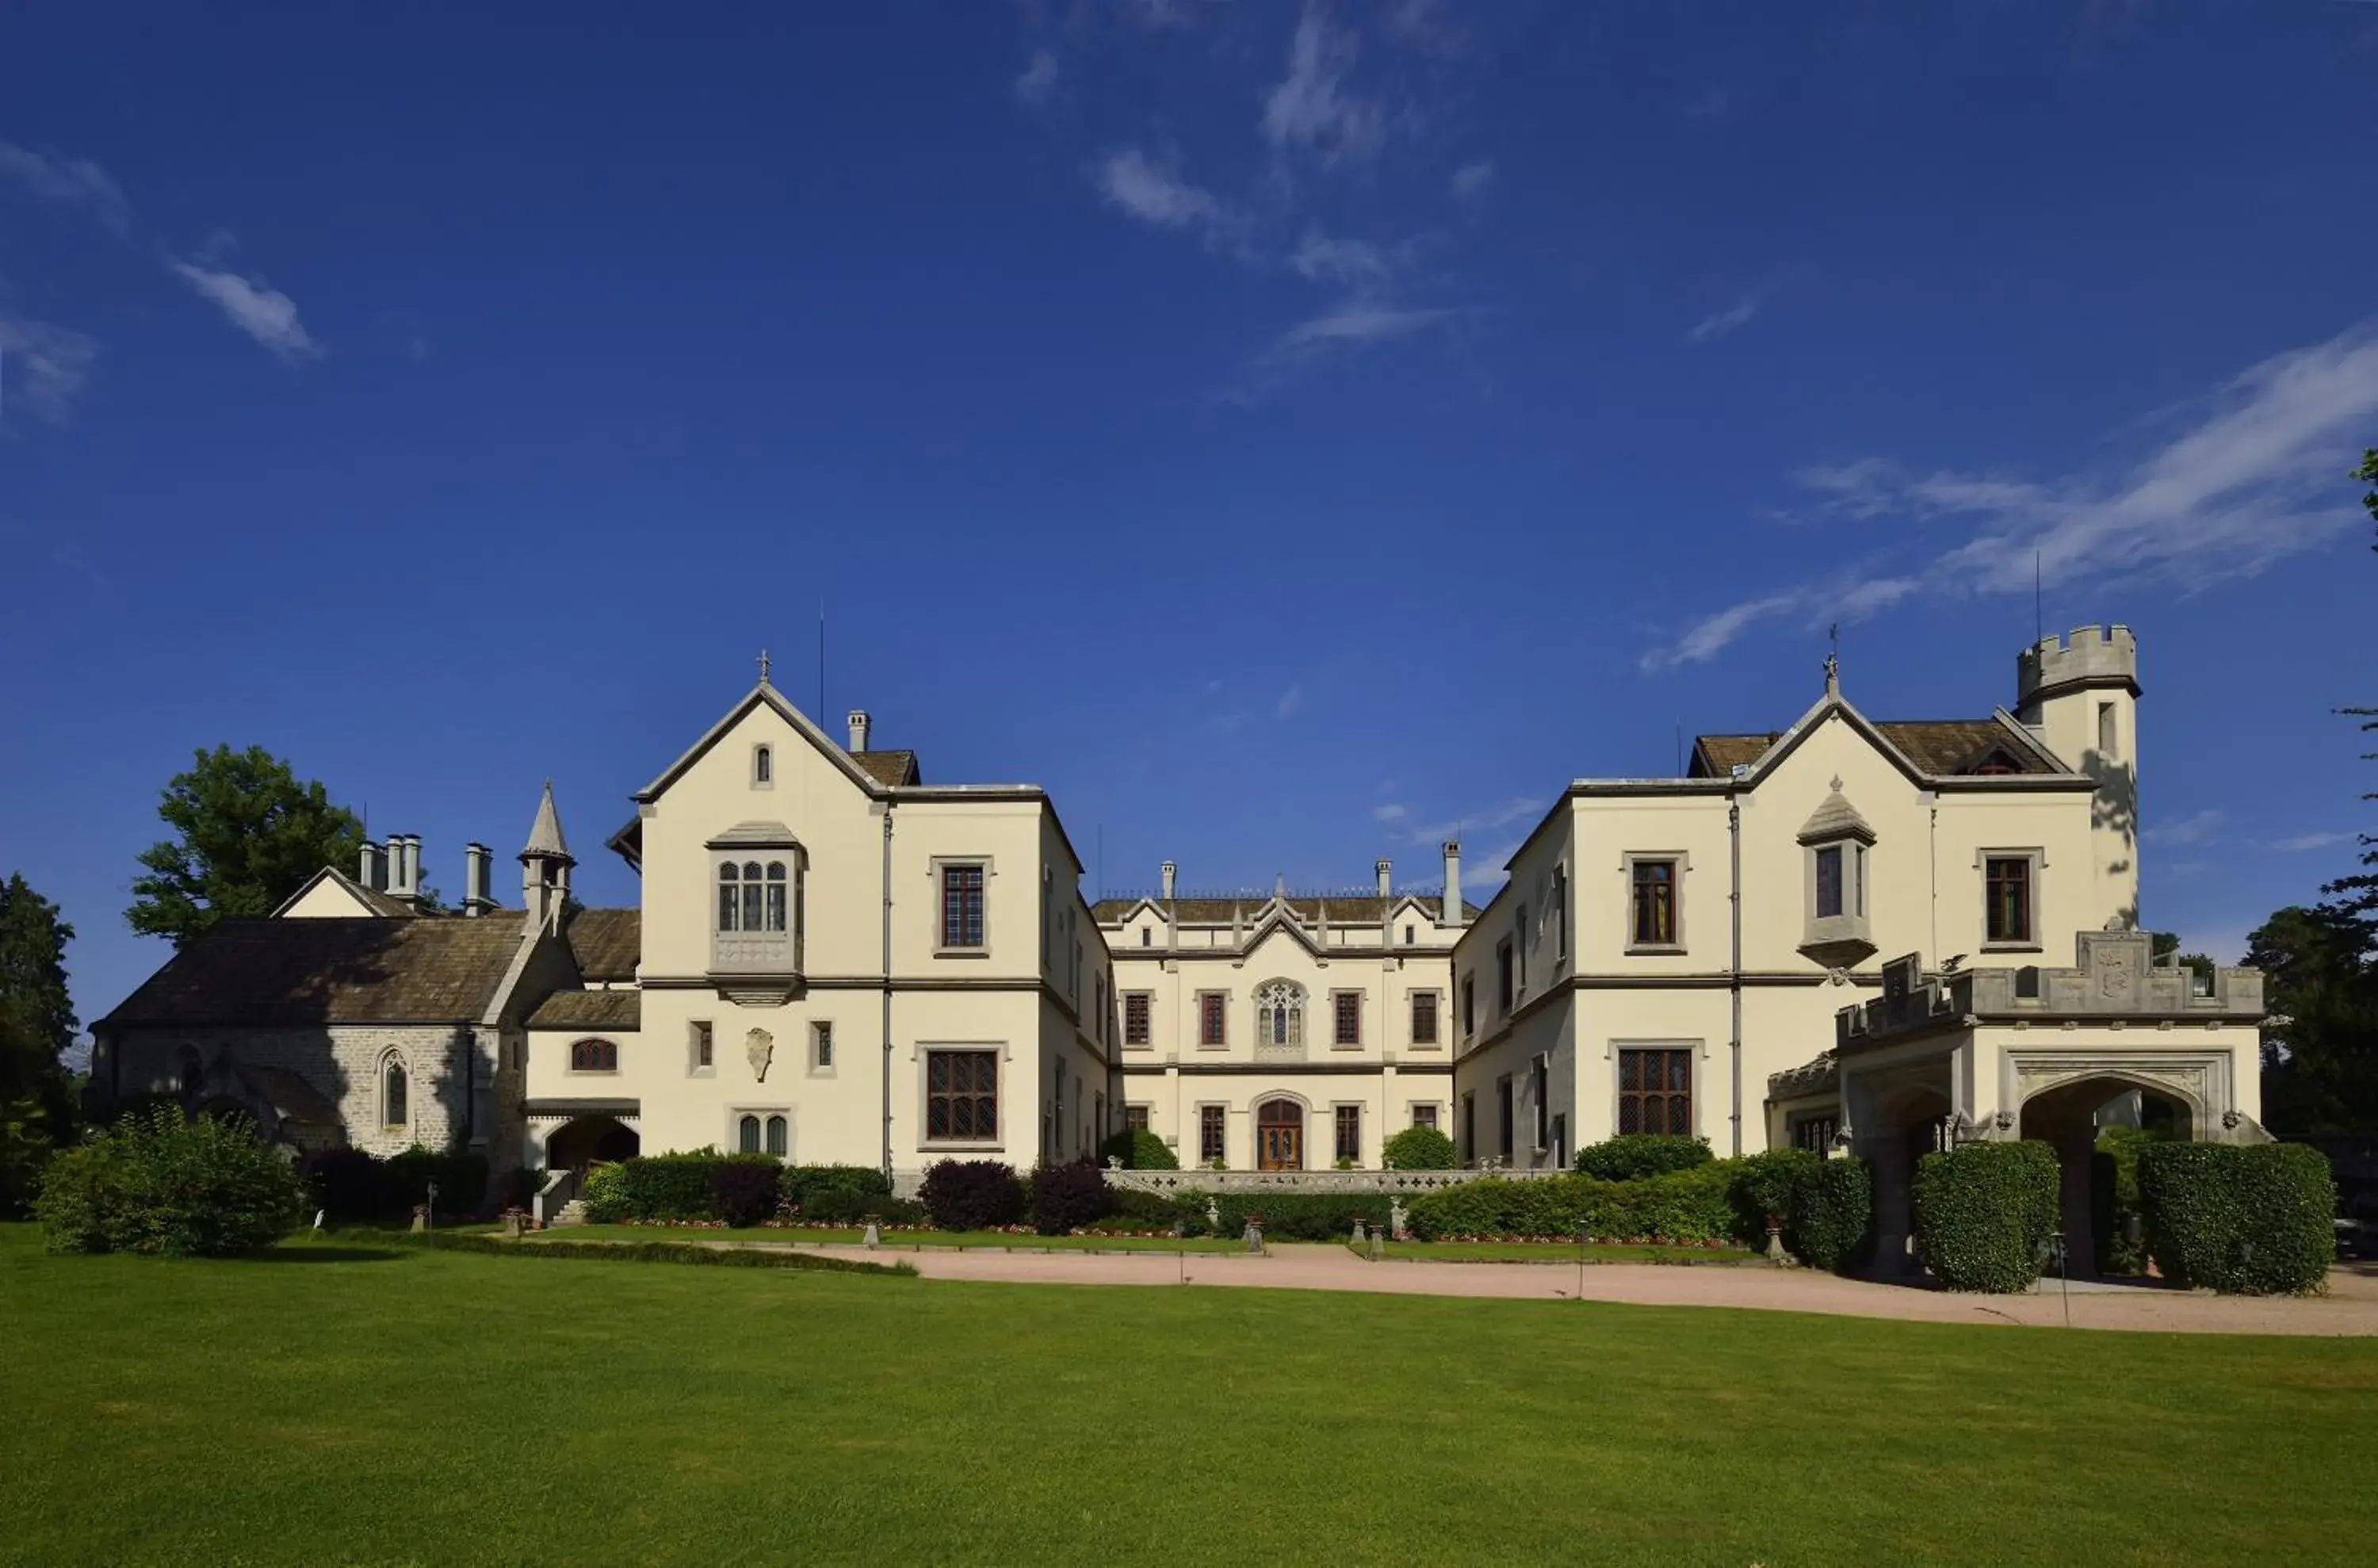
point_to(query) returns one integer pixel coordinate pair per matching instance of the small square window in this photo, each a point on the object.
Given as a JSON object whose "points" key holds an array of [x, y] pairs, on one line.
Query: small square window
{"points": [[1135, 1118], [1424, 1115]]}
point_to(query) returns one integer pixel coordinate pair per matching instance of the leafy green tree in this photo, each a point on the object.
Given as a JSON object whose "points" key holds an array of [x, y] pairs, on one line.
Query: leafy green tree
{"points": [[37, 1025], [2167, 942], [247, 833], [2320, 1047]]}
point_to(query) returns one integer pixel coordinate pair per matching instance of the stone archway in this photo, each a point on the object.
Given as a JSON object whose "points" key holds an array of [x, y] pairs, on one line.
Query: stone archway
{"points": [[1904, 1127], [585, 1141], [2069, 1116]]}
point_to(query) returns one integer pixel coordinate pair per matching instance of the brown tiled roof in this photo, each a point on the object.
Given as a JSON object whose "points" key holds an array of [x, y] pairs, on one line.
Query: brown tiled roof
{"points": [[1939, 747], [589, 1009], [606, 943], [889, 768], [1354, 909], [287, 971]]}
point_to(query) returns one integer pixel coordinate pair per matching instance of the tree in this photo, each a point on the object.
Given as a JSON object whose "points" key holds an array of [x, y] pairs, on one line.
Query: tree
{"points": [[2165, 943], [2320, 1047], [37, 1025], [248, 834], [2358, 893]]}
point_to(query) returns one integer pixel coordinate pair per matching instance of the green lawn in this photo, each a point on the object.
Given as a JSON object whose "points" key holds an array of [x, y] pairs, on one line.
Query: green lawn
{"points": [[341, 1403], [892, 1239], [1560, 1252]]}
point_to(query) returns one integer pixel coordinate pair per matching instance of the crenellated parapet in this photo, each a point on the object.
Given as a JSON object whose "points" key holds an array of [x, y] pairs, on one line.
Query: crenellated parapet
{"points": [[2091, 655], [2113, 978]]}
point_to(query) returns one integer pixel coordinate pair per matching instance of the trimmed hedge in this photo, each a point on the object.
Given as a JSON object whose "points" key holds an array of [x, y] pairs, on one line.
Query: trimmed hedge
{"points": [[744, 1195], [1066, 1198], [2245, 1219], [1290, 1216], [1156, 1211], [354, 1187], [1982, 1211], [1139, 1150], [667, 1187], [604, 1193], [836, 1208], [1419, 1149], [1832, 1219], [798, 1183], [1692, 1206], [649, 1252], [164, 1185], [1631, 1156], [971, 1194]]}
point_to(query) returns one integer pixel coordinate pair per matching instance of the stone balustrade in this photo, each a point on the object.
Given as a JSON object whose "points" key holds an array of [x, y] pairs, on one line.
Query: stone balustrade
{"points": [[1173, 1183]]}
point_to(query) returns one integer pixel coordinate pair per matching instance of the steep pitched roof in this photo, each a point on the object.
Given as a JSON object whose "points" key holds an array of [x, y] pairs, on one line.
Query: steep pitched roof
{"points": [[589, 1009], [368, 900], [545, 834], [1939, 748], [766, 696], [297, 971], [895, 768], [1352, 908], [607, 943]]}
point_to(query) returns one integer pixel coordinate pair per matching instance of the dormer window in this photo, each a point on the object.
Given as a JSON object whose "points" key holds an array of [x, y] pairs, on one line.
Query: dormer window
{"points": [[1837, 840]]}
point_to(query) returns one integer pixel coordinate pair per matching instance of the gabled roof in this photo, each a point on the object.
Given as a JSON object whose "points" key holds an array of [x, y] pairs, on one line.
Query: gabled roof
{"points": [[1932, 748], [893, 768], [589, 1009], [1352, 908], [298, 971], [368, 901], [607, 943], [1835, 818], [766, 695]]}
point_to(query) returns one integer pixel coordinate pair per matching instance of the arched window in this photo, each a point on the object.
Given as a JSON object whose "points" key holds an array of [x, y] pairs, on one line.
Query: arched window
{"points": [[747, 1135], [775, 883], [730, 906], [593, 1055], [395, 1109], [763, 766], [752, 897], [1280, 1013], [776, 1135]]}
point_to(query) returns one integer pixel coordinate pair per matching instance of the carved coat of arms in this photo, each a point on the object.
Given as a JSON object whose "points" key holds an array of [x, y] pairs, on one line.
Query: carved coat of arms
{"points": [[2113, 974], [760, 1047]]}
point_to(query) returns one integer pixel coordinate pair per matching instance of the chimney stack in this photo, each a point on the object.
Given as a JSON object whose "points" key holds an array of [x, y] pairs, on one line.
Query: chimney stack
{"points": [[368, 871], [1451, 916], [478, 882], [1170, 872], [413, 866], [1387, 870], [860, 726], [393, 867]]}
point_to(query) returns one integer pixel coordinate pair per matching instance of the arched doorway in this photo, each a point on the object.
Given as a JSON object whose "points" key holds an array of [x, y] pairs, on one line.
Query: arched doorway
{"points": [[2073, 1118], [1279, 1136], [1911, 1124], [576, 1144]]}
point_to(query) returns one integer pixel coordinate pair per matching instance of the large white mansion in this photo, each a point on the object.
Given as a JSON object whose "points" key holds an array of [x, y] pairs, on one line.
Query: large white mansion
{"points": [[835, 960]]}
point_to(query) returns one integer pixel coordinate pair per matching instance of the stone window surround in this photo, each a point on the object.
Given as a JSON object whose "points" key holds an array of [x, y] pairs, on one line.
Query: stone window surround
{"points": [[765, 951], [733, 1141], [1469, 1004], [2036, 877], [1149, 998], [1413, 996], [393, 1056], [919, 1055], [1506, 1125], [1338, 1108], [763, 766], [1855, 921], [1435, 1108], [1198, 1002], [571, 1061], [1202, 1107], [1507, 978], [990, 872], [694, 1066], [1682, 862], [820, 1053], [1698, 1048], [1360, 997]]}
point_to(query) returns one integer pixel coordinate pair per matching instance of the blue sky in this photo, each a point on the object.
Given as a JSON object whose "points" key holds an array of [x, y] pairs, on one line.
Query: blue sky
{"points": [[1287, 433]]}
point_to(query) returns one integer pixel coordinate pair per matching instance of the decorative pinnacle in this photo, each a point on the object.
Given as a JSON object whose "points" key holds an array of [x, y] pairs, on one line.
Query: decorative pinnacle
{"points": [[763, 666]]}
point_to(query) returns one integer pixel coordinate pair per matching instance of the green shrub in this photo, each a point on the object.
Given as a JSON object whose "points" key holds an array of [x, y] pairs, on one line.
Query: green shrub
{"points": [[653, 1252], [1155, 1210], [1832, 1221], [165, 1185], [1419, 1149], [2244, 1219], [1139, 1150], [1695, 1206], [1631, 1156], [2114, 1198], [1294, 1216], [742, 1193], [1768, 1186], [605, 1193], [1983, 1209], [674, 1186], [354, 1187], [797, 1185]]}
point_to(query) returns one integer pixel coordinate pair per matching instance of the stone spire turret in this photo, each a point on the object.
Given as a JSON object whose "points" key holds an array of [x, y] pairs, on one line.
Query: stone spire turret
{"points": [[545, 867]]}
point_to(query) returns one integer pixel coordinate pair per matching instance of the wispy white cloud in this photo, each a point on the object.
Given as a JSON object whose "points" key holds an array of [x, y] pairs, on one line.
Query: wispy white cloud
{"points": [[1355, 263], [1471, 180], [2193, 828], [1038, 80], [2256, 477], [43, 369], [1718, 323], [1355, 324], [2303, 841], [66, 182], [1155, 194], [1391, 812], [1290, 702], [1310, 109], [261, 311]]}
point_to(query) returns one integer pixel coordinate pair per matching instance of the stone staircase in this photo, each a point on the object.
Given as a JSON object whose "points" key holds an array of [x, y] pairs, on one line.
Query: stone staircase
{"points": [[572, 1213]]}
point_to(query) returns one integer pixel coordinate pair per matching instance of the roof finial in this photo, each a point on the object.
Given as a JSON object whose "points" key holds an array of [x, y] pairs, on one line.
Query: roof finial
{"points": [[1833, 660], [763, 666]]}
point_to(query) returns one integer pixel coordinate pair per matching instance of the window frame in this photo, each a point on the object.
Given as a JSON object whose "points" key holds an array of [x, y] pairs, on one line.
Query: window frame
{"points": [[1137, 1117], [1340, 1115], [997, 1094], [1507, 978], [1507, 1132], [395, 1070], [1146, 1002], [700, 1042], [941, 866], [602, 1059], [1540, 1085], [1213, 1134], [1632, 866], [1436, 1000], [2033, 860], [1691, 1050], [1339, 1001], [763, 766], [1214, 1007], [1425, 1113], [1469, 1006], [820, 1054]]}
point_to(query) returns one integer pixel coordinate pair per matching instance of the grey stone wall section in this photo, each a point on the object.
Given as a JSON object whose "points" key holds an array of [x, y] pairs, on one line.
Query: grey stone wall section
{"points": [[341, 1062]]}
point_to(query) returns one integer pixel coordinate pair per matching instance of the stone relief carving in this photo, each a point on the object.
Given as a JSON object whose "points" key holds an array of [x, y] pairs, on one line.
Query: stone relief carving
{"points": [[760, 1047]]}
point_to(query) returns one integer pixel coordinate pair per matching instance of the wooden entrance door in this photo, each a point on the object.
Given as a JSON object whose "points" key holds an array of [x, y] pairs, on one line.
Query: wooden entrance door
{"points": [[1279, 1136]]}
